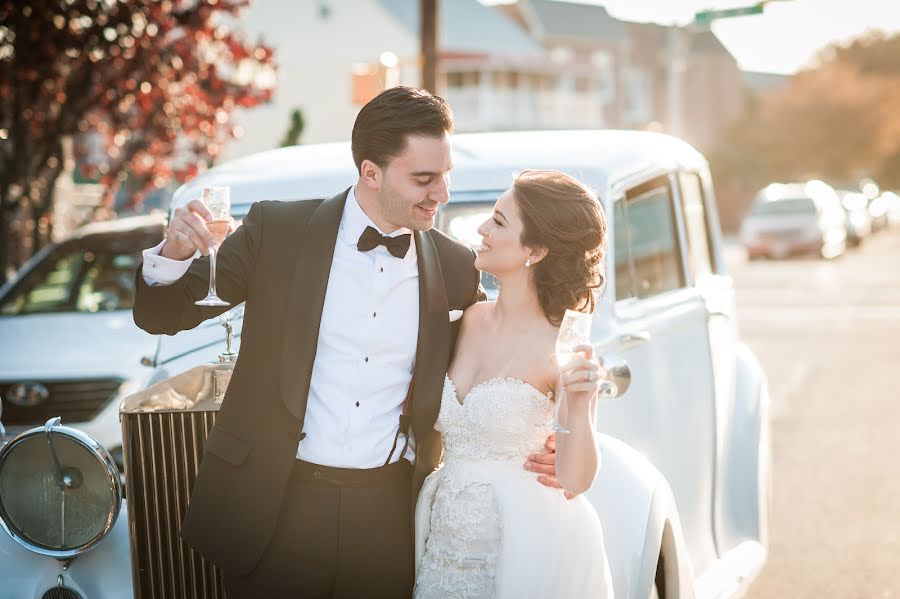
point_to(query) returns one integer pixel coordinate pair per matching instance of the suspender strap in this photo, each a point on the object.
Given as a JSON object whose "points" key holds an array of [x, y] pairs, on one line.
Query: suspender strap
{"points": [[403, 425]]}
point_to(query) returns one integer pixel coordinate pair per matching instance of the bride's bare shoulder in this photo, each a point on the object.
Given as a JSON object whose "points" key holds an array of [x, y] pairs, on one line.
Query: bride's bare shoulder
{"points": [[477, 312]]}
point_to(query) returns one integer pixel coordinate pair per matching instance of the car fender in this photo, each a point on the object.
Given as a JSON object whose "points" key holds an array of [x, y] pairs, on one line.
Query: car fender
{"points": [[104, 572], [640, 519], [744, 513]]}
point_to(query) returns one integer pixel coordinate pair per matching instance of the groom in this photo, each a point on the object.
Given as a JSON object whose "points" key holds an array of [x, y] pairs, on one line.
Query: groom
{"points": [[307, 486]]}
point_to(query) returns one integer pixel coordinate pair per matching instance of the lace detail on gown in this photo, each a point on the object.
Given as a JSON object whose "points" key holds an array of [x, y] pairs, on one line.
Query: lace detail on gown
{"points": [[500, 420]]}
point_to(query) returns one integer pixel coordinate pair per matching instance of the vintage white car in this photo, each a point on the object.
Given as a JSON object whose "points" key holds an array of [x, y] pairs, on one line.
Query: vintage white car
{"points": [[684, 488]]}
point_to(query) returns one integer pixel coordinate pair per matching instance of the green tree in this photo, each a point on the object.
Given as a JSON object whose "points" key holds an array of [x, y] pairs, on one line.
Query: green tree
{"points": [[292, 136]]}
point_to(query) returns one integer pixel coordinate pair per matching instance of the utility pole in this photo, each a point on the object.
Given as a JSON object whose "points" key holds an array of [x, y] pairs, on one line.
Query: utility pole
{"points": [[678, 48], [428, 10]]}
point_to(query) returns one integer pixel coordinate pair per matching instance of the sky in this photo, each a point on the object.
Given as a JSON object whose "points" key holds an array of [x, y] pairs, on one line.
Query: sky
{"points": [[781, 40]]}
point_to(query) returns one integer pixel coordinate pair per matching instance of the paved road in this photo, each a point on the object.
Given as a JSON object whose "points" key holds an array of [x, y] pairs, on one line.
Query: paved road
{"points": [[828, 334]]}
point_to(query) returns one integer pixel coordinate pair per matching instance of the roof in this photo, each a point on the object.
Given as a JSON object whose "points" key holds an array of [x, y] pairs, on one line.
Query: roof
{"points": [[764, 82], [576, 20], [467, 26], [706, 42], [482, 162], [132, 223]]}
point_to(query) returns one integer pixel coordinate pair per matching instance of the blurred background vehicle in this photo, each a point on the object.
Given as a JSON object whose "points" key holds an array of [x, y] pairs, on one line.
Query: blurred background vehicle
{"points": [[859, 221], [70, 347], [892, 204], [795, 219]]}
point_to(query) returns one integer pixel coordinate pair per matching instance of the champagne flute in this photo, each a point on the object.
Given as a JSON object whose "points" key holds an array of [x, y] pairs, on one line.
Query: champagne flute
{"points": [[218, 202], [574, 330]]}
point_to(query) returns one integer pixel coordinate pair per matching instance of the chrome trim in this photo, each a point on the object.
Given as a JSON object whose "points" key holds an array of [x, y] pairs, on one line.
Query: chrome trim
{"points": [[53, 427], [194, 390], [628, 340], [2, 428]]}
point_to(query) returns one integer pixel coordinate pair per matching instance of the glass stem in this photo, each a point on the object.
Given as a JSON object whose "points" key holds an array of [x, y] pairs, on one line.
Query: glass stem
{"points": [[561, 396], [212, 271]]}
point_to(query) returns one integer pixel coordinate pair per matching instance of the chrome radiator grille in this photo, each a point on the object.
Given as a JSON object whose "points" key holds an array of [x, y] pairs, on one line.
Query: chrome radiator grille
{"points": [[162, 455]]}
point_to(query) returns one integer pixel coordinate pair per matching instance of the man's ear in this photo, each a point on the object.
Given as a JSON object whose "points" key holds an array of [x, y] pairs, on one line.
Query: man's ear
{"points": [[370, 174]]}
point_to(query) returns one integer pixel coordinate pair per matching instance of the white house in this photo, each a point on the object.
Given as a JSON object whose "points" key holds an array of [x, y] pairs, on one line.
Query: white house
{"points": [[332, 54]]}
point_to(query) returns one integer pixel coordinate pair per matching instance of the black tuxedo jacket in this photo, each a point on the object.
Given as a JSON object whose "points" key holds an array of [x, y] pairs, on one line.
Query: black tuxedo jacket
{"points": [[278, 263]]}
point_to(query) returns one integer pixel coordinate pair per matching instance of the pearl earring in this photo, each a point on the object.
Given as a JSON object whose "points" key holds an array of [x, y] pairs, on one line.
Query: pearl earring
{"points": [[528, 263]]}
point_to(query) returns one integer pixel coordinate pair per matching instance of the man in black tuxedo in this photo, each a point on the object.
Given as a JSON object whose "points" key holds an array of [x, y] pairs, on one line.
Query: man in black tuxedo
{"points": [[308, 485]]}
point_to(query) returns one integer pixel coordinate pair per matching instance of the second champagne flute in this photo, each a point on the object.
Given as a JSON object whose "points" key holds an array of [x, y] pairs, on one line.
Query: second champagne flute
{"points": [[574, 330], [218, 202]]}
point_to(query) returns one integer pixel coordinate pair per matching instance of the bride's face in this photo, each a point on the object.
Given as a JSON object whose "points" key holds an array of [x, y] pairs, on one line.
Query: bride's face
{"points": [[501, 248]]}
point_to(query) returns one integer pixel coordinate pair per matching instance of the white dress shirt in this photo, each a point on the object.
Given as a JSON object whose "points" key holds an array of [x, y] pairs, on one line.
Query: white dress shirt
{"points": [[366, 349]]}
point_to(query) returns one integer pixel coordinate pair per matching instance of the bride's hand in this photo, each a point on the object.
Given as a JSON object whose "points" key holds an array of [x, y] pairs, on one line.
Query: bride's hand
{"points": [[582, 377]]}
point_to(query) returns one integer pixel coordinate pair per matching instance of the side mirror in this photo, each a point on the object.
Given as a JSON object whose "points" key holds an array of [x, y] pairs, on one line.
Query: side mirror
{"points": [[618, 376]]}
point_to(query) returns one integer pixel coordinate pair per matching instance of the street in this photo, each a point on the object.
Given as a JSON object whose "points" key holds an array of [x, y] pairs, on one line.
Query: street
{"points": [[827, 334]]}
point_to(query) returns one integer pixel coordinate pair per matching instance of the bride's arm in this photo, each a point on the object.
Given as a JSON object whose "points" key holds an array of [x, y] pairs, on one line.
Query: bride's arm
{"points": [[578, 459]]}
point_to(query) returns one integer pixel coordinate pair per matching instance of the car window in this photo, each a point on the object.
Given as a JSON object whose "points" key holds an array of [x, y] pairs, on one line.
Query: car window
{"points": [[94, 274], [622, 253], [784, 206], [652, 239], [698, 243], [461, 217]]}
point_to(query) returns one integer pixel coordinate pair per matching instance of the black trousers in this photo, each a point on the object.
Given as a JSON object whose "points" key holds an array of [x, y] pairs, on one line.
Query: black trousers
{"points": [[341, 534]]}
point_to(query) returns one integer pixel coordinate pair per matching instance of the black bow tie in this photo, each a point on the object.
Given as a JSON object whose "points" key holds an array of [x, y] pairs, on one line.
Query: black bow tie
{"points": [[370, 239]]}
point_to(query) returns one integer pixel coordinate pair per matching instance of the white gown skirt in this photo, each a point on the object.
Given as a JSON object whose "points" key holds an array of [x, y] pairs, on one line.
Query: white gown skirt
{"points": [[488, 529]]}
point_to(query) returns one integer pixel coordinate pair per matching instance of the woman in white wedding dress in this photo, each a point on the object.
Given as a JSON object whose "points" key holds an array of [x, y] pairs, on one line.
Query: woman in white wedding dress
{"points": [[484, 529]]}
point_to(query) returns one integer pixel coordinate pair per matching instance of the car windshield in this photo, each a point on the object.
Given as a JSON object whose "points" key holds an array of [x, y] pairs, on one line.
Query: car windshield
{"points": [[92, 274], [785, 206], [461, 217]]}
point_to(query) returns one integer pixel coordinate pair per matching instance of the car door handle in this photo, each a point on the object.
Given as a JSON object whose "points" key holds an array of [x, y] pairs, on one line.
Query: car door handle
{"points": [[627, 340], [712, 313]]}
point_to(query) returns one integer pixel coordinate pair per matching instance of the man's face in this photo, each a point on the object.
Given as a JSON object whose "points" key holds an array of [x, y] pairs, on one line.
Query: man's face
{"points": [[414, 183]]}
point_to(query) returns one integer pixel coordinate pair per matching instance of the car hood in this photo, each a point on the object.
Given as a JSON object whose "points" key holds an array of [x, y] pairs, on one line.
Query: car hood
{"points": [[82, 345], [203, 343]]}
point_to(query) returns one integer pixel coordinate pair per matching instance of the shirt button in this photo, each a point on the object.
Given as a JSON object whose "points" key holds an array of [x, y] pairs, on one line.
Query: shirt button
{"points": [[367, 358], [357, 404], [374, 314], [381, 269]]}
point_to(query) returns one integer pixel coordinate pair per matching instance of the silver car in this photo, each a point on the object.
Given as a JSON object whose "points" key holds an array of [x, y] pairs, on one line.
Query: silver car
{"points": [[795, 219]]}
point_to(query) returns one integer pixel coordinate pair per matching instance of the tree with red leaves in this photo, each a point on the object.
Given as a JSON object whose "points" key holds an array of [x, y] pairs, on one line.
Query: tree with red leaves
{"points": [[156, 81]]}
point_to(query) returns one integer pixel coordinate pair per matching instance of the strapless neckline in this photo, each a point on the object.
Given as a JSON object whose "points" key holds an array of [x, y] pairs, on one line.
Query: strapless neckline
{"points": [[493, 380]]}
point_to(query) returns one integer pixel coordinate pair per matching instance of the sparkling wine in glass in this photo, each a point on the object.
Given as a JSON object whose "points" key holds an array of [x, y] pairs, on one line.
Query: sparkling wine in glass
{"points": [[218, 202], [574, 330]]}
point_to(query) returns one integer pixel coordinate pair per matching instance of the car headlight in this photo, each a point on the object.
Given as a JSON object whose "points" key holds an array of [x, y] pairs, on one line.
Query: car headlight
{"points": [[60, 492]]}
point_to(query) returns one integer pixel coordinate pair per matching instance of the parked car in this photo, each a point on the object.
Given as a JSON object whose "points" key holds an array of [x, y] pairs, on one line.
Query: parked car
{"points": [[878, 210], [683, 492], [892, 204], [796, 218], [70, 346], [859, 220]]}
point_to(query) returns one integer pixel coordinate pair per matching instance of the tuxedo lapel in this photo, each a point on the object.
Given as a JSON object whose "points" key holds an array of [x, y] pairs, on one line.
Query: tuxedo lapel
{"points": [[433, 347], [306, 300]]}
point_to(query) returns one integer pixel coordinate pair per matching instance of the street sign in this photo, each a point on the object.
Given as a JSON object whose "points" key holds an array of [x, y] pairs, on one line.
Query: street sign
{"points": [[708, 16]]}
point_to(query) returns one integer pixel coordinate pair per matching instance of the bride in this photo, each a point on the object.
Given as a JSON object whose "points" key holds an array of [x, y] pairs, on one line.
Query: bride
{"points": [[483, 528]]}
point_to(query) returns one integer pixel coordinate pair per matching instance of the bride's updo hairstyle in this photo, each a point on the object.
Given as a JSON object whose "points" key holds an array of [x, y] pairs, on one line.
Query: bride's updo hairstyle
{"points": [[564, 216]]}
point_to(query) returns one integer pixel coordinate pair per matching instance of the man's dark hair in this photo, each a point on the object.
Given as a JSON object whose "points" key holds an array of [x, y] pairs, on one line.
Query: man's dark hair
{"points": [[382, 125]]}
